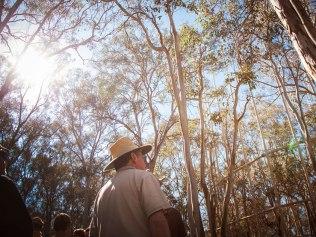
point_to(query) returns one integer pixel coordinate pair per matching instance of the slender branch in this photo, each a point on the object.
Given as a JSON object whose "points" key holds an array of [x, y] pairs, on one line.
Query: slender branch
{"points": [[139, 21], [244, 111], [10, 14]]}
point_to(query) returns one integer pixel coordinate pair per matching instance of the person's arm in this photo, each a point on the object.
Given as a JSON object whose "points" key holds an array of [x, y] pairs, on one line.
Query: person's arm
{"points": [[158, 225]]}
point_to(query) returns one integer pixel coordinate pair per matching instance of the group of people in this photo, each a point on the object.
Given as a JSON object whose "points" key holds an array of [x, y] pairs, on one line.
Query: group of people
{"points": [[131, 203], [62, 227]]}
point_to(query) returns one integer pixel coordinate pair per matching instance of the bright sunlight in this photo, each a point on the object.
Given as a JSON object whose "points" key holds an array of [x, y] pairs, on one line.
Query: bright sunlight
{"points": [[33, 69], [35, 72]]}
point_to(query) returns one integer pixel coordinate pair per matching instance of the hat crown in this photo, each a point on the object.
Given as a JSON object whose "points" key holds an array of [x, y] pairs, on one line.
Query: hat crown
{"points": [[121, 147]]}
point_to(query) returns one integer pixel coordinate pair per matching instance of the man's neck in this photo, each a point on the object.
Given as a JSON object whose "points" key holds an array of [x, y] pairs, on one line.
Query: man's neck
{"points": [[126, 167]]}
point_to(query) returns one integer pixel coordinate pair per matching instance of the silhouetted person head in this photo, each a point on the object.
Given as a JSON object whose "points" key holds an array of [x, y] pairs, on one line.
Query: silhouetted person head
{"points": [[79, 233], [37, 226], [4, 155], [62, 225]]}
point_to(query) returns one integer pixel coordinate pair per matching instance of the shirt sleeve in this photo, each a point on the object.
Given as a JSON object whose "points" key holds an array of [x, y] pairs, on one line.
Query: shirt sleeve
{"points": [[153, 199]]}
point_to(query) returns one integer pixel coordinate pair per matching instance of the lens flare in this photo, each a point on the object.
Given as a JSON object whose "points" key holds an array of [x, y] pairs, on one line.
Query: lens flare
{"points": [[34, 68]]}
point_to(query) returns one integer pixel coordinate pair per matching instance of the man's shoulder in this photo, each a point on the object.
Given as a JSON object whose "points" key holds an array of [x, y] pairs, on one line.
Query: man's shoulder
{"points": [[144, 173], [138, 174]]}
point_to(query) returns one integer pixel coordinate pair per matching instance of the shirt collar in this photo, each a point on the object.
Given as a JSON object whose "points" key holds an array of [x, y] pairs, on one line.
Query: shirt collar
{"points": [[127, 167]]}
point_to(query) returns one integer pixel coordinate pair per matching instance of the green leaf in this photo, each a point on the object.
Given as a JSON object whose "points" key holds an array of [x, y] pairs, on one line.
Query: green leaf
{"points": [[292, 145]]}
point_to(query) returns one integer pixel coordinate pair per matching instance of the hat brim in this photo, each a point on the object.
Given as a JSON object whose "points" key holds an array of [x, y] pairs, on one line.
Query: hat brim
{"points": [[145, 149]]}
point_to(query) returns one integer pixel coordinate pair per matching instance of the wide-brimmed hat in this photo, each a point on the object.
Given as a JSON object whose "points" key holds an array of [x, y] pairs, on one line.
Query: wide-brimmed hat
{"points": [[123, 146]]}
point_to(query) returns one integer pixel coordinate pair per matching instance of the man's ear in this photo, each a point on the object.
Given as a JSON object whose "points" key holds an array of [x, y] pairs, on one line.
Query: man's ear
{"points": [[133, 157]]}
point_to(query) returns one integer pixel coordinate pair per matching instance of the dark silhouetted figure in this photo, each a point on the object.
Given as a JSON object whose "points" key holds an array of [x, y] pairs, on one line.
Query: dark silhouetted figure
{"points": [[79, 233], [37, 227], [62, 225], [15, 220], [175, 222]]}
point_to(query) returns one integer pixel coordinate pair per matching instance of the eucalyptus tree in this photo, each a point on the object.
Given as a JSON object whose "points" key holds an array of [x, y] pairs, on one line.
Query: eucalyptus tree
{"points": [[301, 30], [52, 27], [147, 15], [149, 67], [82, 128], [276, 43], [25, 130], [22, 126], [296, 106], [200, 62], [142, 103], [248, 26], [170, 171], [51, 174]]}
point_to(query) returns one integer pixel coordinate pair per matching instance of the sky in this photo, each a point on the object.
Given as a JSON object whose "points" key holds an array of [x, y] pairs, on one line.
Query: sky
{"points": [[36, 69]]}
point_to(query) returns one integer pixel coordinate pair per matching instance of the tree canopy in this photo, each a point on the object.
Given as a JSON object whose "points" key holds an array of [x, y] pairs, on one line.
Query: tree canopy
{"points": [[225, 91]]}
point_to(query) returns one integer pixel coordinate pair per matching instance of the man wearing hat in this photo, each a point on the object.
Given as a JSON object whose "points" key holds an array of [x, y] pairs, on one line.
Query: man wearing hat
{"points": [[131, 203], [14, 217]]}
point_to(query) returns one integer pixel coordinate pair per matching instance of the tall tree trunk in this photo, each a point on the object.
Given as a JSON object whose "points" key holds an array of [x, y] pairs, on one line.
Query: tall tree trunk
{"points": [[311, 219], [277, 198], [182, 107], [203, 152], [190, 210], [301, 31], [231, 162], [243, 188], [177, 81], [213, 199], [244, 204], [300, 154], [299, 116], [236, 225], [297, 221]]}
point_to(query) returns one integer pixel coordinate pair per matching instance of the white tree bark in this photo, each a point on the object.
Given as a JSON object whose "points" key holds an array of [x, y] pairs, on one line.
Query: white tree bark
{"points": [[301, 31]]}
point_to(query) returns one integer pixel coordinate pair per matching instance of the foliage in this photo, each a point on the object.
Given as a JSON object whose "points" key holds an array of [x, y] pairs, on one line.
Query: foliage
{"points": [[59, 143]]}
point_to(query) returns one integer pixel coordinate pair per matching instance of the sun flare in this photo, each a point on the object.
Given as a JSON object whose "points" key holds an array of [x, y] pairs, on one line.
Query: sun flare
{"points": [[33, 68]]}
